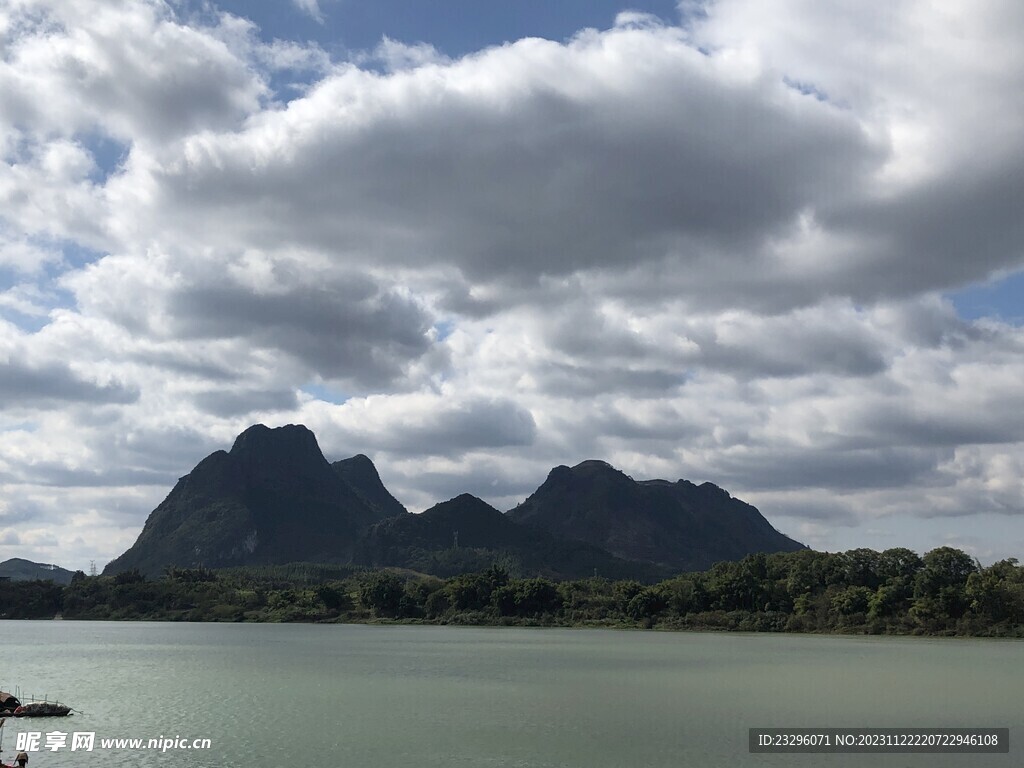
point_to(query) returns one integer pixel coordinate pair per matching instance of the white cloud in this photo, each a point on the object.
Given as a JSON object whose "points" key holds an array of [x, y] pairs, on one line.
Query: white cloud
{"points": [[616, 148], [131, 69], [311, 8], [712, 251]]}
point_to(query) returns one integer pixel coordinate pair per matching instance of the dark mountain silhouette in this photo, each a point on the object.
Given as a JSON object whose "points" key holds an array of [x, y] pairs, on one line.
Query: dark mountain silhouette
{"points": [[272, 499], [18, 569], [681, 525], [361, 476], [467, 534]]}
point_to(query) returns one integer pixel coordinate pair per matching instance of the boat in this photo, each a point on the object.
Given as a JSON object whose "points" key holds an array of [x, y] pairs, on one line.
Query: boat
{"points": [[10, 706]]}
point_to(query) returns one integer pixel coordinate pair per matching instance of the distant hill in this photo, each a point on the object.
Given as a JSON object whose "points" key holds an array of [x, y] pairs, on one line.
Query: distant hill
{"points": [[680, 525], [272, 499], [17, 569], [467, 534]]}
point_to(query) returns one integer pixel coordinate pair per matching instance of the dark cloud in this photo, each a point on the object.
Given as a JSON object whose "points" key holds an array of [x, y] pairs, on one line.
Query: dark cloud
{"points": [[776, 468], [24, 386], [485, 482], [191, 365], [768, 352], [226, 403], [828, 339], [968, 423], [419, 425], [833, 511], [588, 379], [638, 425], [353, 331], [10, 538], [44, 473], [939, 236], [21, 512]]}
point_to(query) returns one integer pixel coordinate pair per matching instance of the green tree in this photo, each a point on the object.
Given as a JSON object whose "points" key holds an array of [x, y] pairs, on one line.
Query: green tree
{"points": [[851, 601], [899, 563], [333, 597], [381, 592], [943, 580], [996, 594], [527, 597], [861, 568], [473, 591], [886, 602], [646, 604], [132, 576]]}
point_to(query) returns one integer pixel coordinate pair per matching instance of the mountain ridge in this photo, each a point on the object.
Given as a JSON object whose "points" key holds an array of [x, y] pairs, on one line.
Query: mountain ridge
{"points": [[20, 569], [678, 524], [274, 498], [466, 533]]}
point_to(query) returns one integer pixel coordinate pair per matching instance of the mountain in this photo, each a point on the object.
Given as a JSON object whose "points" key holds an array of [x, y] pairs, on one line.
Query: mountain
{"points": [[17, 569], [361, 476], [467, 534], [681, 525], [273, 498]]}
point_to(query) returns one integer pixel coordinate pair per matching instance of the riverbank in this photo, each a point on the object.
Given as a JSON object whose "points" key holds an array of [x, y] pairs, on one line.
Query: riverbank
{"points": [[858, 592]]}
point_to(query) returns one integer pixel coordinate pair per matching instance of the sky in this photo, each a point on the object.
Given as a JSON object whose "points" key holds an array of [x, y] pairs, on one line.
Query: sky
{"points": [[771, 244]]}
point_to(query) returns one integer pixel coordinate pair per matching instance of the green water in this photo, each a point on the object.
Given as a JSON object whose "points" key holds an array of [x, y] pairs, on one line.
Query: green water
{"points": [[416, 697]]}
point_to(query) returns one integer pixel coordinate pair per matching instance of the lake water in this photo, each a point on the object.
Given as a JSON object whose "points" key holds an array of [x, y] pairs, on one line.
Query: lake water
{"points": [[417, 697]]}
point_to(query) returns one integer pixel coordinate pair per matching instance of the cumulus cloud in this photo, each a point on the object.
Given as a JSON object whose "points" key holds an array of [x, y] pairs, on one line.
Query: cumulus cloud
{"points": [[714, 250], [26, 381], [342, 326], [132, 69], [21, 386], [219, 402], [417, 423], [21, 255], [535, 158]]}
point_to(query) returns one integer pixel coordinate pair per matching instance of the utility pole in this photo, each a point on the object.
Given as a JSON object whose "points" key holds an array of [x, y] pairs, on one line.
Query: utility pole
{"points": [[92, 567], [455, 544]]}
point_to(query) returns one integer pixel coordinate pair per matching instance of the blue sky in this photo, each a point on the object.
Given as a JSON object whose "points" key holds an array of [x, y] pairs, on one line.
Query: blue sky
{"points": [[453, 27], [751, 244], [1001, 298]]}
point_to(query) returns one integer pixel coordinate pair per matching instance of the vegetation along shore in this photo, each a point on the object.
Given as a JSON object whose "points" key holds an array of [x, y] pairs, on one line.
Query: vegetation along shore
{"points": [[945, 592]]}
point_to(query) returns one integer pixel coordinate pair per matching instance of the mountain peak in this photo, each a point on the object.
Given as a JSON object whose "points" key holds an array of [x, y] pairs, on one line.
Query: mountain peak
{"points": [[362, 461], [586, 470], [594, 464], [679, 524], [281, 452], [361, 475], [598, 468], [464, 504], [291, 437], [272, 499]]}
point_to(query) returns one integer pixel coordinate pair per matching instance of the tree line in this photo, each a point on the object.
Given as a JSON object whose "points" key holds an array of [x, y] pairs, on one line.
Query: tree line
{"points": [[860, 591]]}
